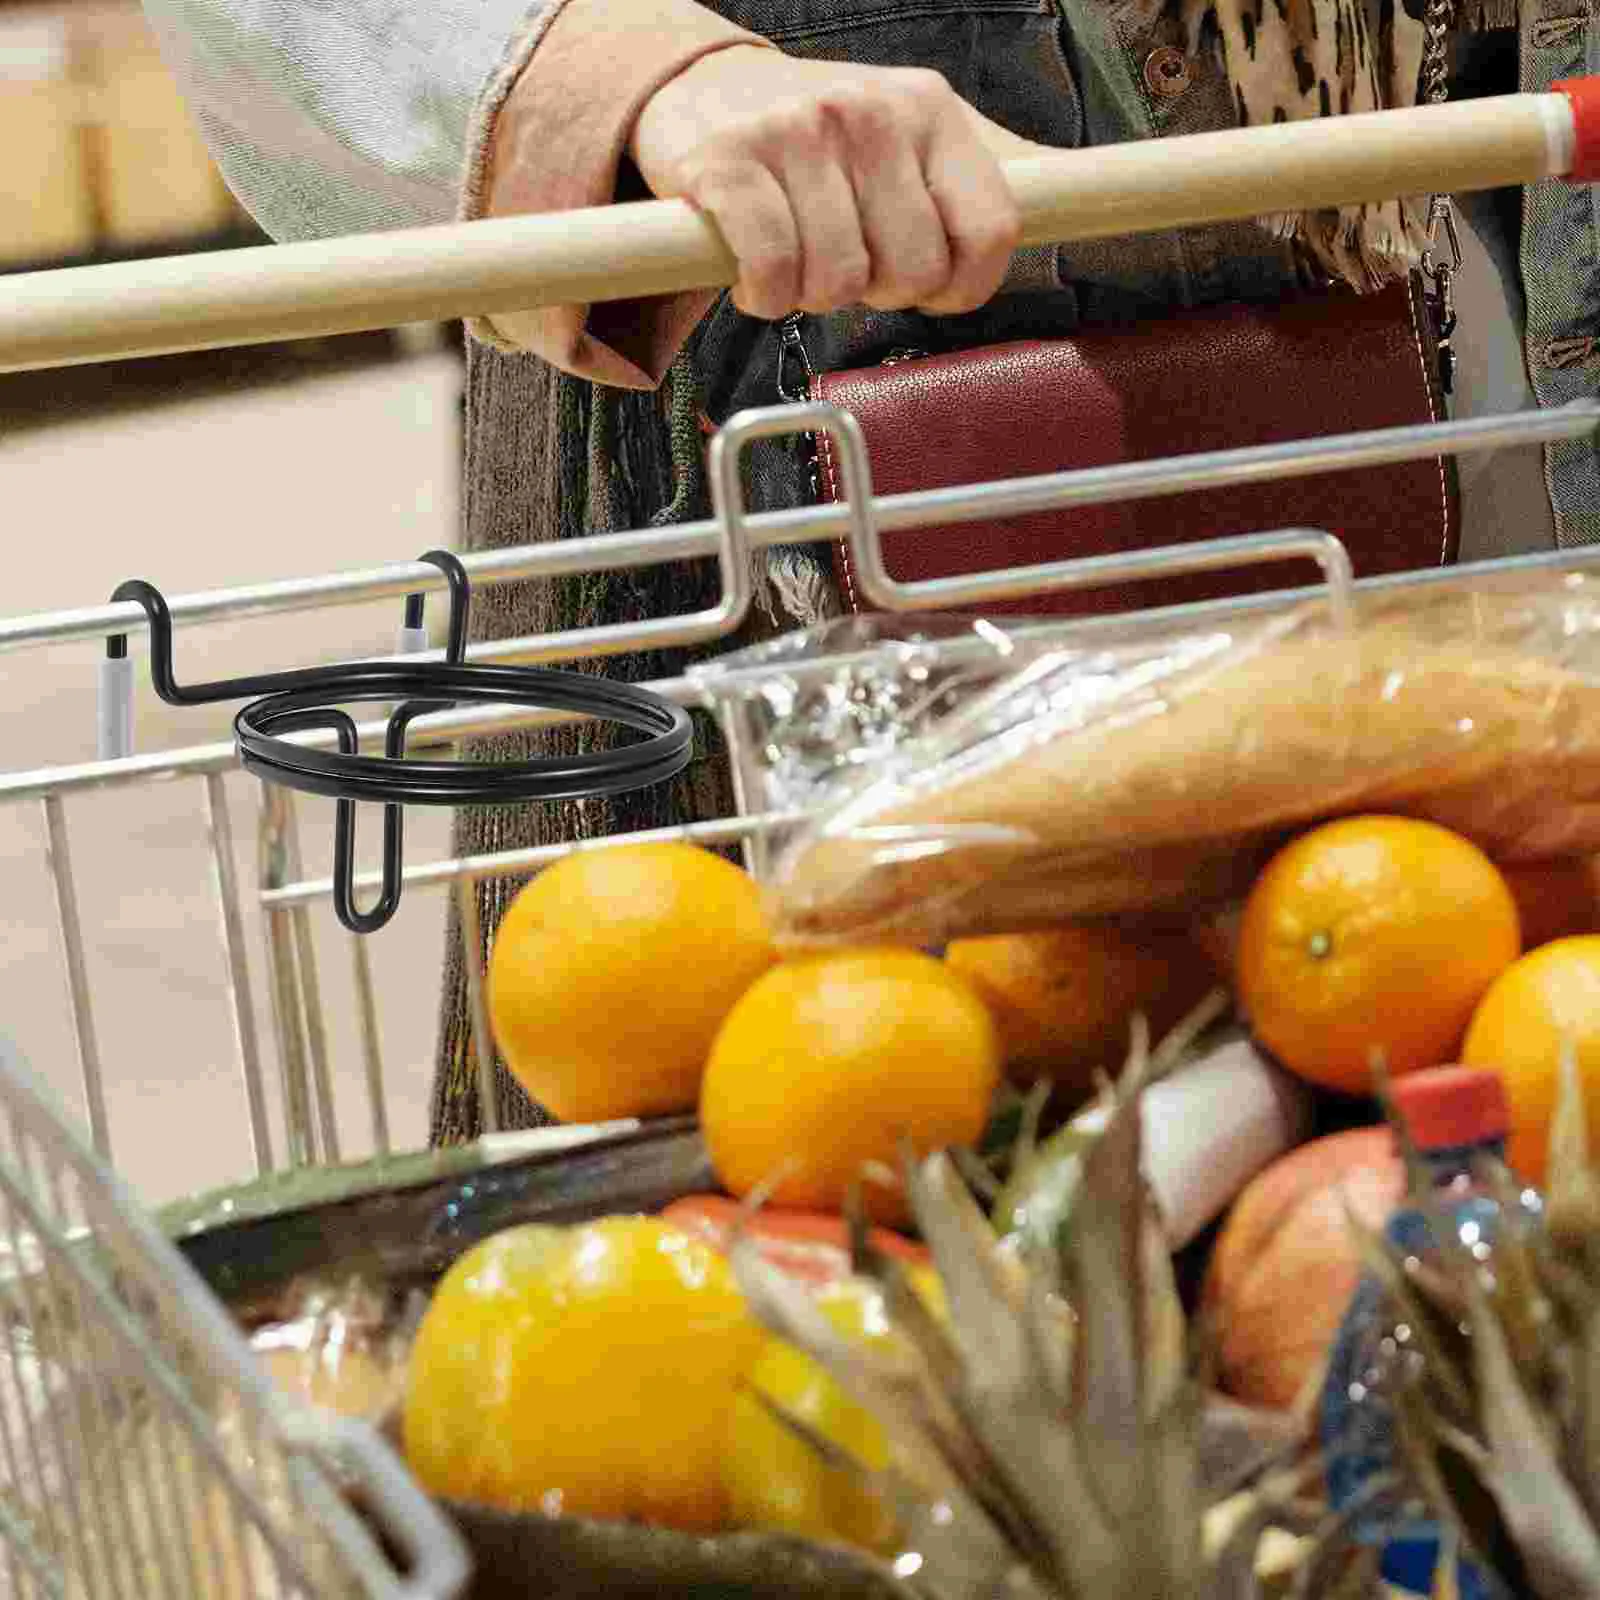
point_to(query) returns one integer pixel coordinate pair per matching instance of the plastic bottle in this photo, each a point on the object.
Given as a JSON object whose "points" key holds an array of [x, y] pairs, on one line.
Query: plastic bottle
{"points": [[1454, 1115]]}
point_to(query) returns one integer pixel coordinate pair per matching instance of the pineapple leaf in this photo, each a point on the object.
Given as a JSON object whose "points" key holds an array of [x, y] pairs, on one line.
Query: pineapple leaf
{"points": [[1051, 1331], [979, 1178], [1104, 1265], [1239, 1443], [907, 1311], [873, 1377], [1572, 1186], [977, 1275], [1176, 1044], [1337, 1567], [1234, 1532], [1032, 1112], [831, 1453], [1445, 1586], [1557, 1541], [1583, 1454], [1448, 1480], [1007, 1399]]}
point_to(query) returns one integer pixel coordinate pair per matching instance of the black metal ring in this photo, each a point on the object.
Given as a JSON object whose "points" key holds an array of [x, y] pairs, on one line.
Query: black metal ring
{"points": [[307, 698], [663, 753], [261, 729]]}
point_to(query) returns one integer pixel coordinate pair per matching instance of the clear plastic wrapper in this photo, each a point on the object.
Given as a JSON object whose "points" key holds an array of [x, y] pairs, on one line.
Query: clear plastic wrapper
{"points": [[343, 1347], [950, 778]]}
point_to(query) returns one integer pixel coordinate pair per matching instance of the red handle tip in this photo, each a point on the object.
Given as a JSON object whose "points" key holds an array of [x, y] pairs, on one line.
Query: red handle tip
{"points": [[1583, 95]]}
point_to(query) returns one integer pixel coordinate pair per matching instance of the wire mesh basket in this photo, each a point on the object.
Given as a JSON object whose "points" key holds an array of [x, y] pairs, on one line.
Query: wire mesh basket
{"points": [[143, 1450]]}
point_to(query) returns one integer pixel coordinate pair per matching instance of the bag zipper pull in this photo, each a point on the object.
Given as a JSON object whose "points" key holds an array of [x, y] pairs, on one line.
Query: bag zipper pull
{"points": [[792, 357]]}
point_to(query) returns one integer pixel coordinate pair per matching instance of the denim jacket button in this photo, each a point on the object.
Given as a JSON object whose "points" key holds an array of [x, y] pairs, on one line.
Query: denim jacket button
{"points": [[1168, 72]]}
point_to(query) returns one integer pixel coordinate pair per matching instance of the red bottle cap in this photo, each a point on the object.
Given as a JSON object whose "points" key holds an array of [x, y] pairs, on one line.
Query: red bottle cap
{"points": [[1448, 1107], [1583, 95]]}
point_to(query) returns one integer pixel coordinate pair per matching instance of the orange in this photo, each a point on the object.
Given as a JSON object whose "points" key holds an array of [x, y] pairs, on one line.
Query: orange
{"points": [[1555, 899], [827, 1064], [613, 970], [1551, 994], [1373, 933], [1063, 998], [590, 1370]]}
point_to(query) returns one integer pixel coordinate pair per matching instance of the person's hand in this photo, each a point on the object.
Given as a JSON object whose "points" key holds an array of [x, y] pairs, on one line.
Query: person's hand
{"points": [[835, 185]]}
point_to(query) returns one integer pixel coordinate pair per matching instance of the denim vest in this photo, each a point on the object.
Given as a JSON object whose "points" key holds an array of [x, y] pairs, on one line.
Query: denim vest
{"points": [[1560, 269], [1059, 72], [1079, 72]]}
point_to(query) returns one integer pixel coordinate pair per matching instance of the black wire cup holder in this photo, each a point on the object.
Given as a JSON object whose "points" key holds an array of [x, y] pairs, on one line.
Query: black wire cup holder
{"points": [[307, 699]]}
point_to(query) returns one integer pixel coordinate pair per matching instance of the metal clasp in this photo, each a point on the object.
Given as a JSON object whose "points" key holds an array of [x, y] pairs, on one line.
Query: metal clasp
{"points": [[792, 350], [1441, 276]]}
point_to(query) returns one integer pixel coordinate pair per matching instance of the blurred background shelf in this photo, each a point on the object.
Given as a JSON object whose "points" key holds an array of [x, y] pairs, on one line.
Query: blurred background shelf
{"points": [[102, 154], [103, 162]]}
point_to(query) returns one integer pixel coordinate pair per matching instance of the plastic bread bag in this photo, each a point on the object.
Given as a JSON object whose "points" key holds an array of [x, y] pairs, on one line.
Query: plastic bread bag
{"points": [[955, 778]]}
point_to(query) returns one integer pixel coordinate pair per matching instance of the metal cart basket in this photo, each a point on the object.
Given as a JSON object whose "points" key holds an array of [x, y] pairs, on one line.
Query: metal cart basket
{"points": [[142, 1452]]}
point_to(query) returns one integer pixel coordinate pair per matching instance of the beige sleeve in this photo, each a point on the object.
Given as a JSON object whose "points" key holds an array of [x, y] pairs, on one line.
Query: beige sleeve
{"points": [[560, 142]]}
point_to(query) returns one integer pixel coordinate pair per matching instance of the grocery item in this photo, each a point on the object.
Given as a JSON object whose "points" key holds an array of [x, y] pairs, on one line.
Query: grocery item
{"points": [[776, 1478], [612, 971], [1549, 998], [1455, 1117], [1023, 782], [810, 1245], [830, 1067], [1285, 1264], [343, 1347], [1209, 1126], [1063, 997], [1498, 1436], [1039, 1449], [1372, 935], [587, 1371]]}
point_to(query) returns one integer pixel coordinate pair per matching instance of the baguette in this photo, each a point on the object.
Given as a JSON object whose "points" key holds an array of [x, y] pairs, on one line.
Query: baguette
{"points": [[1476, 709]]}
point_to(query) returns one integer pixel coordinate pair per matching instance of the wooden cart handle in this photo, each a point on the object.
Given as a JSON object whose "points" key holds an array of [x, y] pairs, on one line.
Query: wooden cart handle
{"points": [[379, 280]]}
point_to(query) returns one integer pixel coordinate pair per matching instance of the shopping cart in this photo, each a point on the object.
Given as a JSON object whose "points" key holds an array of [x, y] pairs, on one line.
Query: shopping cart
{"points": [[143, 1452]]}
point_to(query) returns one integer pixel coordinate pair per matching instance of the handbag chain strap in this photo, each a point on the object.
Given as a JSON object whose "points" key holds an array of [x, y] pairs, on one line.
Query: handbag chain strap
{"points": [[1440, 274]]}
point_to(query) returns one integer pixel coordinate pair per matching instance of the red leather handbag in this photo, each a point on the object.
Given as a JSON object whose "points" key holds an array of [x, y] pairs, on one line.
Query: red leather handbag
{"points": [[1213, 379]]}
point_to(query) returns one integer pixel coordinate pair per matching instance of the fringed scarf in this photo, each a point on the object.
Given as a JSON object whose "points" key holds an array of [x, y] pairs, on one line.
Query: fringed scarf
{"points": [[548, 457], [1292, 59]]}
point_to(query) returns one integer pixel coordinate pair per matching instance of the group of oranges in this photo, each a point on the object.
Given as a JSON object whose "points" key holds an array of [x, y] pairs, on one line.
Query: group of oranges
{"points": [[642, 979], [1387, 936], [639, 980]]}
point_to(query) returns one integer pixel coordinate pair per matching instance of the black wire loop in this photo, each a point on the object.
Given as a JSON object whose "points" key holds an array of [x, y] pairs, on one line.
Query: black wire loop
{"points": [[309, 698]]}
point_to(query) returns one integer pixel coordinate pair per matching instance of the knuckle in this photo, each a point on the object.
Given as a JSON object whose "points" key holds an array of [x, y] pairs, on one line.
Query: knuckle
{"points": [[868, 114], [714, 177], [925, 285], [997, 236], [802, 128], [924, 86], [847, 281], [773, 267]]}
